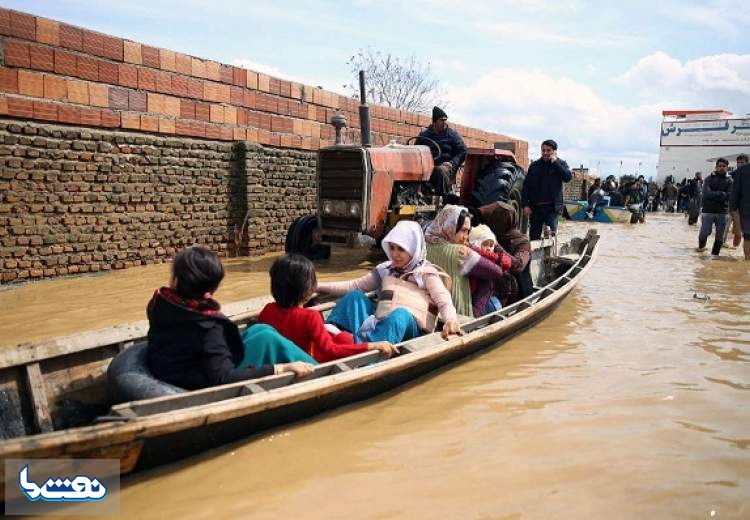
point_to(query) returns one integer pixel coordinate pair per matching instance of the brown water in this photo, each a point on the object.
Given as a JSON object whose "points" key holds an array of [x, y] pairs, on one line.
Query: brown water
{"points": [[629, 401]]}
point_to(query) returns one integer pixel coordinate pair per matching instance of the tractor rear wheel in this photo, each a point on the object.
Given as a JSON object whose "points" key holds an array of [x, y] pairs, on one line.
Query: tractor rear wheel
{"points": [[299, 239]]}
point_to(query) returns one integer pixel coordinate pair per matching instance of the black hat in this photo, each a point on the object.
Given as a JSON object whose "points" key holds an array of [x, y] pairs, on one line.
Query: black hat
{"points": [[549, 142], [437, 113]]}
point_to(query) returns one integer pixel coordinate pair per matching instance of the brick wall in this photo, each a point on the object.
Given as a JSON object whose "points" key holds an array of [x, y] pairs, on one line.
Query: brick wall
{"points": [[76, 200], [116, 154], [52, 71]]}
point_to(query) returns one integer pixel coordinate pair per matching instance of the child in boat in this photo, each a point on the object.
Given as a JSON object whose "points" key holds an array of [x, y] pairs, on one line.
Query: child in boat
{"points": [[191, 344], [293, 283], [483, 241]]}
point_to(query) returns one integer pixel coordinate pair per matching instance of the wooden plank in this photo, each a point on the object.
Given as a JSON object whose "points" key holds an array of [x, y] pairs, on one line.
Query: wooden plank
{"points": [[38, 395]]}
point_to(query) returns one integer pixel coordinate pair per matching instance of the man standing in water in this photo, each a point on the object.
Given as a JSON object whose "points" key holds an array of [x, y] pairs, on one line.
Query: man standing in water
{"points": [[739, 203], [541, 196], [716, 191]]}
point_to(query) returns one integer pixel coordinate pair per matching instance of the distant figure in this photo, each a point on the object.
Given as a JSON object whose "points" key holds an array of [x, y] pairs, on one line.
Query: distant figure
{"points": [[739, 203], [595, 197], [741, 161], [541, 196], [452, 153], [716, 191], [191, 344], [731, 225]]}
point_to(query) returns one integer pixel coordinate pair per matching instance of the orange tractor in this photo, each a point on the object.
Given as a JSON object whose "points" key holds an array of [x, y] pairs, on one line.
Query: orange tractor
{"points": [[365, 190]]}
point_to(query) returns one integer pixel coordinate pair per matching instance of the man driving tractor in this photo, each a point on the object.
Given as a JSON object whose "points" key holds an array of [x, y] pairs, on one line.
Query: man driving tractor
{"points": [[451, 154]]}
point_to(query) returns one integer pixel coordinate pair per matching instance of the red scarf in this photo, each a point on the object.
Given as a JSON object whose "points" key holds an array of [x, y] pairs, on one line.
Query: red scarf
{"points": [[206, 306]]}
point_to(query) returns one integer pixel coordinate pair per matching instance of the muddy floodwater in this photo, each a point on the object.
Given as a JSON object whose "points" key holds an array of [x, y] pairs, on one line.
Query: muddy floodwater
{"points": [[631, 400]]}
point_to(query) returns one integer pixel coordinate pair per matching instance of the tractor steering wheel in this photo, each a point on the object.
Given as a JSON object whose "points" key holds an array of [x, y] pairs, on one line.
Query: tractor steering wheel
{"points": [[430, 143]]}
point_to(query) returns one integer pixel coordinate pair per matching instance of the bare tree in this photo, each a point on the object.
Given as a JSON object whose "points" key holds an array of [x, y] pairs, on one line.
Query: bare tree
{"points": [[407, 84]]}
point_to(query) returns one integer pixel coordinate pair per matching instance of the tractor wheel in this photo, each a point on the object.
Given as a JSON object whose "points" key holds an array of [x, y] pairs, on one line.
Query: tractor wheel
{"points": [[299, 239], [515, 199]]}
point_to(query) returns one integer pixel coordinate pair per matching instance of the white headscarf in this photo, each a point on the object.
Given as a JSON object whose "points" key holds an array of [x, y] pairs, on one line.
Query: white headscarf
{"points": [[408, 236]]}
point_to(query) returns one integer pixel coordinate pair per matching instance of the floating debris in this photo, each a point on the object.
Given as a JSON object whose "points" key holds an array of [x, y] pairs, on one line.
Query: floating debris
{"points": [[701, 296]]}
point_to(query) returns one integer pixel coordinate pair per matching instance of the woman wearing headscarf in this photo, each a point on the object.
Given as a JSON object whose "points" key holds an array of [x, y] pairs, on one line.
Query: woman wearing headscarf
{"points": [[501, 219], [405, 247], [447, 237]]}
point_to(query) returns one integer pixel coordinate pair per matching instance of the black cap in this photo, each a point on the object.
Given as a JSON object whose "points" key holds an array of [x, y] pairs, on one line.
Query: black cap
{"points": [[437, 113]]}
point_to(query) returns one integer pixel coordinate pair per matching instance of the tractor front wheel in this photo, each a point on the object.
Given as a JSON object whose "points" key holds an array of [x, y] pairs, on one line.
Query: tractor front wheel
{"points": [[299, 239]]}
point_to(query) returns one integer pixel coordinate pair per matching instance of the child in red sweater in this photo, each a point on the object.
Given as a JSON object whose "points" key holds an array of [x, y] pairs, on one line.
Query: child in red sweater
{"points": [[293, 283], [483, 241]]}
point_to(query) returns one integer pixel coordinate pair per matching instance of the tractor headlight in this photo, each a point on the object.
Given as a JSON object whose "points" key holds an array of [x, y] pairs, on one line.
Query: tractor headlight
{"points": [[354, 209], [327, 207]]}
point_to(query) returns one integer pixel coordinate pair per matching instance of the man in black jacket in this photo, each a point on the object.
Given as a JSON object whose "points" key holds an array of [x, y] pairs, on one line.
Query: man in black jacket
{"points": [[715, 210], [541, 196], [452, 153], [739, 203]]}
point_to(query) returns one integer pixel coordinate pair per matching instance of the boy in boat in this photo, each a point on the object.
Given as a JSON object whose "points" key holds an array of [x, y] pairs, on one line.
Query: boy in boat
{"points": [[293, 284], [191, 344]]}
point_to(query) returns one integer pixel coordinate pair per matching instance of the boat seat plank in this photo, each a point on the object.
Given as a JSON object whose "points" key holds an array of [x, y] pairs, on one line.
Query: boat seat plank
{"points": [[38, 394]]}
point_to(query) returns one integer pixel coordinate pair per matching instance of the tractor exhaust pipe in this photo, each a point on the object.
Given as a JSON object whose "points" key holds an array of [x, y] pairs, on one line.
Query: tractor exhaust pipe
{"points": [[364, 113]]}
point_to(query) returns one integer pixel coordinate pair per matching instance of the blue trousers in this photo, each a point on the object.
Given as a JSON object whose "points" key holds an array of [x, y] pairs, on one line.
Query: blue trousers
{"points": [[540, 215], [354, 308], [265, 346]]}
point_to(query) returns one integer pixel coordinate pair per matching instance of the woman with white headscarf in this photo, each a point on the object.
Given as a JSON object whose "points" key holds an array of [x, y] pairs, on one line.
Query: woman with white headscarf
{"points": [[406, 250], [447, 237]]}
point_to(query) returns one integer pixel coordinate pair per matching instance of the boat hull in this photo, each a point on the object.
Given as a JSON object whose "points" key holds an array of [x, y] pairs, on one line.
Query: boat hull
{"points": [[577, 211]]}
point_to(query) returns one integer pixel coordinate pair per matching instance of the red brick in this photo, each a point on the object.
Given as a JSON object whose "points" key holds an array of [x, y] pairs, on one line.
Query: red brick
{"points": [[22, 25], [66, 63], [274, 85], [183, 64], [146, 79], [69, 114], [202, 111], [110, 118], [127, 75], [182, 127], [213, 131], [47, 31], [108, 72], [78, 91], [93, 42], [179, 85], [226, 74], [55, 88], [71, 37], [187, 109], [91, 116], [285, 88], [42, 58], [30, 83], [235, 96], [20, 107], [150, 56], [130, 120], [132, 53], [167, 60], [253, 118], [265, 121], [112, 48], [9, 80], [226, 133], [283, 107], [163, 82], [137, 101], [166, 126], [17, 54], [98, 95], [4, 21], [239, 76], [149, 123], [45, 111], [87, 68], [195, 88], [242, 117], [118, 98], [250, 98]]}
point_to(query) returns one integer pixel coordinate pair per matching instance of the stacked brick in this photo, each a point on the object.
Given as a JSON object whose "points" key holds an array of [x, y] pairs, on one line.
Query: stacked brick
{"points": [[56, 72]]}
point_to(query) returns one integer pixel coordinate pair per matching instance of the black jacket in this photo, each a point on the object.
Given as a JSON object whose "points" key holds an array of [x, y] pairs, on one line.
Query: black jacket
{"points": [[716, 191], [452, 147], [740, 197], [543, 184], [192, 350]]}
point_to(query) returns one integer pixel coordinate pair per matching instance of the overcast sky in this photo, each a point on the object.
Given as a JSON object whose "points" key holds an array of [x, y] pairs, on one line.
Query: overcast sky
{"points": [[594, 76]]}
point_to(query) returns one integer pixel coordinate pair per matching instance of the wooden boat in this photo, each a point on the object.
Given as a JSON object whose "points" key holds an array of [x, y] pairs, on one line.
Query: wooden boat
{"points": [[54, 399], [578, 210]]}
